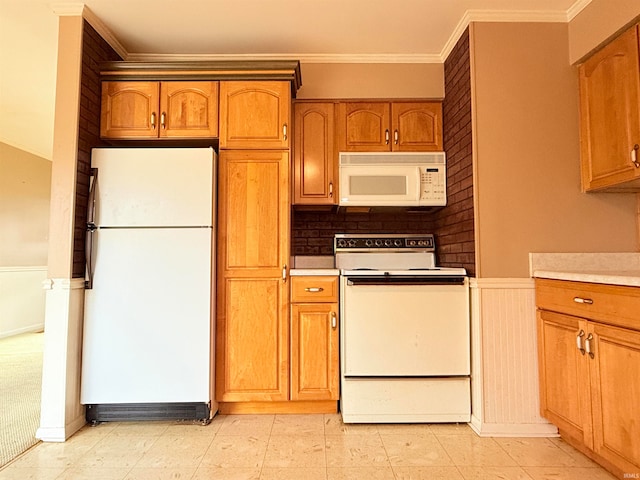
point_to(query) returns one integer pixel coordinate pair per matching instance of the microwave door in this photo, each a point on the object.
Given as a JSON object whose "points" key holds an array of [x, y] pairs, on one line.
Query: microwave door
{"points": [[380, 185]]}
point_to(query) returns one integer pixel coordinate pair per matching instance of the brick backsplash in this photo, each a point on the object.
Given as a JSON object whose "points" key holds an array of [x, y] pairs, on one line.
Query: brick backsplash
{"points": [[94, 50], [453, 227], [313, 231]]}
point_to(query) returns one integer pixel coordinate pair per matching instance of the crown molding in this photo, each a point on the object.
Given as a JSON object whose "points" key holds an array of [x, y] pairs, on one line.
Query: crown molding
{"points": [[303, 57], [576, 8], [81, 10]]}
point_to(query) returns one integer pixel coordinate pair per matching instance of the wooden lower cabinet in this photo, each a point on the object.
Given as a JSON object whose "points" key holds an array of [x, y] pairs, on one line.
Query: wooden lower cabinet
{"points": [[314, 351], [314, 338], [564, 372], [590, 369]]}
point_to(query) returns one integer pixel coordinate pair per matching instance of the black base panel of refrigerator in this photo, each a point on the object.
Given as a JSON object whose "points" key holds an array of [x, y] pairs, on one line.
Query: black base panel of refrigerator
{"points": [[123, 412]]}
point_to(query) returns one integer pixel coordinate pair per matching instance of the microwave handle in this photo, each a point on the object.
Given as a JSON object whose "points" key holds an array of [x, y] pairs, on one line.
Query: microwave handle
{"points": [[419, 183]]}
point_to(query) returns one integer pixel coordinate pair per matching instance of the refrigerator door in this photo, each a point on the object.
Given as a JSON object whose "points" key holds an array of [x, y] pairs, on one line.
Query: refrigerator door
{"points": [[147, 319], [159, 187]]}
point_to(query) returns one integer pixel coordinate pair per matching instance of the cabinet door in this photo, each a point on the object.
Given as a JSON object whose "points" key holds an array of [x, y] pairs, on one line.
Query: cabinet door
{"points": [[188, 109], [129, 110], [416, 127], [364, 127], [564, 374], [253, 293], [314, 352], [610, 113], [615, 386], [315, 157], [254, 114]]}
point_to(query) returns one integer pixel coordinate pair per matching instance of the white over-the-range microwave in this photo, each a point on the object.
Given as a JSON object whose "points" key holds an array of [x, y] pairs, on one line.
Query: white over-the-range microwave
{"points": [[393, 179]]}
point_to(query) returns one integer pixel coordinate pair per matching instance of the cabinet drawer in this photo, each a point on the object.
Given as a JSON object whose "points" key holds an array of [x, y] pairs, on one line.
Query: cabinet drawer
{"points": [[314, 289], [611, 304]]}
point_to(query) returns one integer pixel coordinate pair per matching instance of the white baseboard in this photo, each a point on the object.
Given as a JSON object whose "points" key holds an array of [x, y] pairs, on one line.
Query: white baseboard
{"points": [[513, 429]]}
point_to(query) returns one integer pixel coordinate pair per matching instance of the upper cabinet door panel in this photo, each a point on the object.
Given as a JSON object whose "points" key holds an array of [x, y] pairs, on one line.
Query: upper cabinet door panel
{"points": [[255, 220], [189, 109], [129, 110], [610, 113], [315, 158], [417, 127], [364, 127], [255, 114]]}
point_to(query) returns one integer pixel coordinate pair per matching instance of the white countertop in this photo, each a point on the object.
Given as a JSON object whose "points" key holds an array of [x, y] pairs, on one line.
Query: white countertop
{"points": [[314, 271], [606, 268]]}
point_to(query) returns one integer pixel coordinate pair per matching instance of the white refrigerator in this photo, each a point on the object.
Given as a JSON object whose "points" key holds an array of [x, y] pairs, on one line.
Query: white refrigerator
{"points": [[148, 318]]}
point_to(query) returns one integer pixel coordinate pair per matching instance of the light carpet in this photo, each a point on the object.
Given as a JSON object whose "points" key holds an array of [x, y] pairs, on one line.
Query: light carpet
{"points": [[20, 392]]}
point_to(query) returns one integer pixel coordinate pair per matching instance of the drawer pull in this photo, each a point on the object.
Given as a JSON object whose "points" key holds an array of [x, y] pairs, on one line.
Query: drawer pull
{"points": [[587, 345], [579, 341], [588, 301], [314, 289]]}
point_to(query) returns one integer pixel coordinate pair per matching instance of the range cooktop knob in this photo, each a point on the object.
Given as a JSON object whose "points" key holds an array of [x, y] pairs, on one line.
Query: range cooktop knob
{"points": [[388, 243], [368, 242], [342, 243], [378, 243], [398, 243], [351, 243]]}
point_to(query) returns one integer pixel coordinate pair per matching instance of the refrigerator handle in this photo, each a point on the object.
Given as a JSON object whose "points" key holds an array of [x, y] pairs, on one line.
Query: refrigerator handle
{"points": [[91, 228]]}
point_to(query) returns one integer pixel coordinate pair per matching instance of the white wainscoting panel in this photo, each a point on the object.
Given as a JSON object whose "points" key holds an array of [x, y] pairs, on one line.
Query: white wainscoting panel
{"points": [[505, 392], [21, 300]]}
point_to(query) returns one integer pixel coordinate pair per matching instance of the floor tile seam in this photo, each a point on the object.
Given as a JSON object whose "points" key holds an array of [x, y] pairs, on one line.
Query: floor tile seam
{"points": [[453, 462], [522, 465], [103, 468], [386, 453]]}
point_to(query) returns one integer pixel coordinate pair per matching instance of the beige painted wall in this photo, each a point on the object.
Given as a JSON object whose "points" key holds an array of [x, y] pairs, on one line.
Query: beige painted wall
{"points": [[360, 80], [527, 179], [597, 22], [25, 188]]}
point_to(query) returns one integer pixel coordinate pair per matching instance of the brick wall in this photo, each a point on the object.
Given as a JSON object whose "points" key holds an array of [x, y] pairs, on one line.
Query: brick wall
{"points": [[94, 50], [454, 227], [312, 232]]}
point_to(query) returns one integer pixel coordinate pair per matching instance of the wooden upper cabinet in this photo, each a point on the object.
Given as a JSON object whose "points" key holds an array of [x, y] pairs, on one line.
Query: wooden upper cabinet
{"points": [[129, 110], [610, 116], [384, 126], [137, 110], [364, 127], [188, 109], [315, 156], [416, 127], [255, 114]]}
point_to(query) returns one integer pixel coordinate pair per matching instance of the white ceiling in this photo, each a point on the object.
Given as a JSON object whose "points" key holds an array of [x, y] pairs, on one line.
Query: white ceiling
{"points": [[309, 30]]}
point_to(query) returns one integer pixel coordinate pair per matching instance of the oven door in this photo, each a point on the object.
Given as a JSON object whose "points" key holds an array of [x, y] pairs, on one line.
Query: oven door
{"points": [[405, 326]]}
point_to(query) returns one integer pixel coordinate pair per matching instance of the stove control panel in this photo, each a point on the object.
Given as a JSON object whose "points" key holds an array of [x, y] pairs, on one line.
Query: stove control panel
{"points": [[372, 242]]}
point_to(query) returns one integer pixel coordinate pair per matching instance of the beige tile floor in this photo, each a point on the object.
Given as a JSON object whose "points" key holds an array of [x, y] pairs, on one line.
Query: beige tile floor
{"points": [[300, 447]]}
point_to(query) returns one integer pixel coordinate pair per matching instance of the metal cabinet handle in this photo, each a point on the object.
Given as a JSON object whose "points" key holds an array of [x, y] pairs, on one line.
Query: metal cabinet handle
{"points": [[153, 120], [579, 341], [587, 345], [386, 137], [587, 301], [163, 117], [634, 155], [314, 289], [284, 273], [395, 137], [330, 189], [284, 131], [334, 320]]}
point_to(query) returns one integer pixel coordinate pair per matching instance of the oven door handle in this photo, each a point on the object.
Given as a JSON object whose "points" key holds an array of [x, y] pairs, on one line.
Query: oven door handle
{"points": [[387, 280]]}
